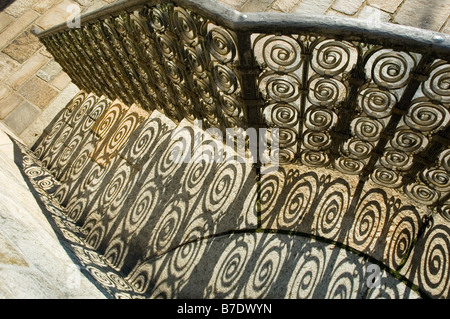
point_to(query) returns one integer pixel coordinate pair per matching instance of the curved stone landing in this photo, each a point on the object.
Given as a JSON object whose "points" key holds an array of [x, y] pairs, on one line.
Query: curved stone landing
{"points": [[264, 265]]}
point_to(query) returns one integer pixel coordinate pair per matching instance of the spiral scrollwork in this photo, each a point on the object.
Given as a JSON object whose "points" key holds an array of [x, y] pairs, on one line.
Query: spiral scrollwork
{"points": [[168, 225], [437, 87], [434, 262], [284, 156], [357, 149], [308, 273], [332, 57], [444, 159], [220, 44], [185, 259], [392, 69], [166, 46], [326, 92], [444, 211], [331, 208], [231, 106], [282, 54], [427, 117], [283, 115], [231, 267], [281, 88], [174, 71], [409, 141], [438, 178], [369, 221], [403, 230], [376, 103], [315, 158], [421, 193], [158, 19], [196, 59], [320, 119], [225, 79], [142, 208], [366, 129], [317, 141], [184, 25], [396, 160], [204, 89], [221, 189], [348, 165], [386, 177], [267, 269]]}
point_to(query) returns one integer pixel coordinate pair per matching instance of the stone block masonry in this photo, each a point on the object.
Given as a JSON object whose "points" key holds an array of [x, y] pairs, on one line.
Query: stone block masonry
{"points": [[29, 77]]}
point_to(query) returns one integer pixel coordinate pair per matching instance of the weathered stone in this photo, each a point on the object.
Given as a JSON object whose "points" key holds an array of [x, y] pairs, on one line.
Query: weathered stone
{"points": [[18, 7], [57, 14], [95, 6], [17, 27], [22, 47], [312, 6], [61, 81], [256, 5], [373, 15], [349, 7], [45, 52], [390, 6], [49, 71], [5, 20], [9, 255], [4, 91], [7, 66], [335, 13], [38, 91], [8, 101], [431, 17], [21, 117], [284, 5], [42, 267], [234, 4], [85, 3], [26, 70], [43, 6], [35, 129]]}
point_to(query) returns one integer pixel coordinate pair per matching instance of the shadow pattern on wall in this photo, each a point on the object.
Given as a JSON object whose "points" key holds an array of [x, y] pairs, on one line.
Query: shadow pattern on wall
{"points": [[217, 228]]}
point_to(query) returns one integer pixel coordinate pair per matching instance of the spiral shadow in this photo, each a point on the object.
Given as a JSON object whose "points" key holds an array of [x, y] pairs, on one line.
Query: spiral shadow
{"points": [[428, 265]]}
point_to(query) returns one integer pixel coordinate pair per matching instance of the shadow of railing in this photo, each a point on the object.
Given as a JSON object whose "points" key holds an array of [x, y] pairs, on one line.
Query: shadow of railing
{"points": [[142, 206]]}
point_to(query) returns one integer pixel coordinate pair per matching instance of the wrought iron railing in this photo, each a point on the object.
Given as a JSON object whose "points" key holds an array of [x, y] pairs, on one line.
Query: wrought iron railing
{"points": [[368, 100]]}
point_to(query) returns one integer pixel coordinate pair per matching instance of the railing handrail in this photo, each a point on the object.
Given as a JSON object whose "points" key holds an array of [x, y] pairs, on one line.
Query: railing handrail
{"points": [[386, 34]]}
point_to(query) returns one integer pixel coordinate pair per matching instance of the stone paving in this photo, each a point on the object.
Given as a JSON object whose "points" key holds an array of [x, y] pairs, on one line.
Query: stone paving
{"points": [[434, 15], [33, 87]]}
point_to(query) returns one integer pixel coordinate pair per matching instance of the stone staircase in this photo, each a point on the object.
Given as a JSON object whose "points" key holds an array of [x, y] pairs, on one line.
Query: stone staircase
{"points": [[136, 218], [141, 224]]}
